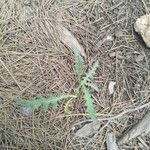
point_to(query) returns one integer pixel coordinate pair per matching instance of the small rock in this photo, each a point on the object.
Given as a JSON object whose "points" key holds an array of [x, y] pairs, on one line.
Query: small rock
{"points": [[27, 111], [88, 130], [116, 54], [142, 26], [118, 33], [111, 87], [139, 58], [109, 38]]}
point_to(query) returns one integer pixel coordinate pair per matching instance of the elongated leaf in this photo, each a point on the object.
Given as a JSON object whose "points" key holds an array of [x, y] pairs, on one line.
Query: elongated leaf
{"points": [[92, 85], [90, 73], [69, 40], [79, 66], [89, 103], [42, 102], [78, 63]]}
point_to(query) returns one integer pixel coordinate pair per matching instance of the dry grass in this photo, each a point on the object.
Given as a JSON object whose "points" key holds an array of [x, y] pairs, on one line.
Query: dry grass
{"points": [[33, 62]]}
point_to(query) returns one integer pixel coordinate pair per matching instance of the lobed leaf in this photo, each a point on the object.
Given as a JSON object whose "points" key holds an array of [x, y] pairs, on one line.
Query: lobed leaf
{"points": [[92, 85], [89, 103], [79, 66], [90, 73], [42, 102]]}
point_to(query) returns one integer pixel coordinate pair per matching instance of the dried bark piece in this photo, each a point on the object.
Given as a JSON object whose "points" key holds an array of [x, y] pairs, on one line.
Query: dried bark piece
{"points": [[111, 142], [142, 128]]}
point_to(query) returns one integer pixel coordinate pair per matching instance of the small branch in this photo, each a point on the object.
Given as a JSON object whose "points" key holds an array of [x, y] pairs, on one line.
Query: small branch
{"points": [[118, 115]]}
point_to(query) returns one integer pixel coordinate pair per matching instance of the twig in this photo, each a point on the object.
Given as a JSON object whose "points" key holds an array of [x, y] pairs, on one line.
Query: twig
{"points": [[145, 6], [118, 115]]}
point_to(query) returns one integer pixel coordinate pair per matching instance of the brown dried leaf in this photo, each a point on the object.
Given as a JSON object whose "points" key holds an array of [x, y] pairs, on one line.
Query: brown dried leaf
{"points": [[69, 39]]}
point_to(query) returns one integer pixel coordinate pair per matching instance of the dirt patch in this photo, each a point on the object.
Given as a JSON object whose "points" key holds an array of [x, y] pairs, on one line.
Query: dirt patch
{"points": [[34, 62]]}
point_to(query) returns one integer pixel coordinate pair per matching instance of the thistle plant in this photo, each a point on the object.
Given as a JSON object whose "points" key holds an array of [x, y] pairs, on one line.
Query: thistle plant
{"points": [[84, 87]]}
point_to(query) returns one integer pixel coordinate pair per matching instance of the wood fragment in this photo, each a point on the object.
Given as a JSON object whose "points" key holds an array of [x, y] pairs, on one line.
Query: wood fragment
{"points": [[111, 142], [142, 128]]}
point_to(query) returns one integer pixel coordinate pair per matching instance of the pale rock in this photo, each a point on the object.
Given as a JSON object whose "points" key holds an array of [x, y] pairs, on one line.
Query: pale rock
{"points": [[142, 26], [88, 130], [111, 87], [139, 58], [26, 111]]}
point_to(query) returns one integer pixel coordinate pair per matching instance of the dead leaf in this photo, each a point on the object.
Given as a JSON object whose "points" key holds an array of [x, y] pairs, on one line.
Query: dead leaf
{"points": [[111, 87], [69, 39]]}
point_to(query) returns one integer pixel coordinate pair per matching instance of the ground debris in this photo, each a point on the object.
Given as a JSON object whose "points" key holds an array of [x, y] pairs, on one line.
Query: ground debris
{"points": [[68, 39], [26, 111], [88, 130], [142, 128], [139, 58], [111, 142], [111, 87], [116, 54]]}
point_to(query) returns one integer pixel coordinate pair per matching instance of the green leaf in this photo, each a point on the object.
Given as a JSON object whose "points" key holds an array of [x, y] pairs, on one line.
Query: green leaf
{"points": [[92, 85], [90, 73], [89, 103], [79, 66], [42, 102], [78, 63]]}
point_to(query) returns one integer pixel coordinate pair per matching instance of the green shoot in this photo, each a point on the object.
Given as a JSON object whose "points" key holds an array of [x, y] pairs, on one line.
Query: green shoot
{"points": [[84, 84], [90, 73], [78, 64]]}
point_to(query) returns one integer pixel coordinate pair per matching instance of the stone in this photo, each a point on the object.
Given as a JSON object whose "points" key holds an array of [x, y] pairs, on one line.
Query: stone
{"points": [[142, 26], [117, 54], [26, 111]]}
